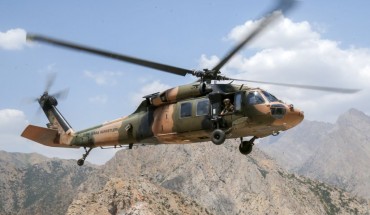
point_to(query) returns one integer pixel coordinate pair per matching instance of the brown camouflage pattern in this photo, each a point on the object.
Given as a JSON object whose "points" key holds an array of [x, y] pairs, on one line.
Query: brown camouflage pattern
{"points": [[157, 121]]}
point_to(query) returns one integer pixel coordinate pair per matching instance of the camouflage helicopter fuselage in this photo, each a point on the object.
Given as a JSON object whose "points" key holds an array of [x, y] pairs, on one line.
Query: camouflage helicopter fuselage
{"points": [[184, 114]]}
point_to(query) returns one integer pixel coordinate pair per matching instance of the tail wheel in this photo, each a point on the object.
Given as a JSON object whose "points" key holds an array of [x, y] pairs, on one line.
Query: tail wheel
{"points": [[218, 136], [246, 147], [80, 162]]}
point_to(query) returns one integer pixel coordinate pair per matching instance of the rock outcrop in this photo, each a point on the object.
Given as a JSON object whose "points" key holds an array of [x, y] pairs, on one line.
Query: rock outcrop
{"points": [[139, 197], [226, 182], [33, 184]]}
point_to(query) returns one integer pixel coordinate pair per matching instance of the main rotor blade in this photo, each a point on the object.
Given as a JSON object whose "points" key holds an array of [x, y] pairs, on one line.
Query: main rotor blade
{"points": [[137, 61], [320, 88], [283, 6]]}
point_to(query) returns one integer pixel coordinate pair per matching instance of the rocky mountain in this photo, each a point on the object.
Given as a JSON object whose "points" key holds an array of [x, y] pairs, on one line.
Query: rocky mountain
{"points": [[21, 160], [338, 154], [33, 184], [226, 182], [197, 178], [134, 197]]}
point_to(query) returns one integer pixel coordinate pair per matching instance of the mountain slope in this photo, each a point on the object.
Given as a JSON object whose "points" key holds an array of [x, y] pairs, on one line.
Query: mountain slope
{"points": [[226, 182], [337, 154], [33, 184], [21, 160], [292, 148], [134, 197]]}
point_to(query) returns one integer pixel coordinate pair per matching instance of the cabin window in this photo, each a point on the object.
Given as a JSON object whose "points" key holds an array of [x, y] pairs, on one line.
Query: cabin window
{"points": [[270, 97], [202, 107], [185, 109], [238, 102], [255, 98]]}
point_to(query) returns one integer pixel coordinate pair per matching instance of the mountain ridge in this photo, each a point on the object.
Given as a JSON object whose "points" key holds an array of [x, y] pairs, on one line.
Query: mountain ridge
{"points": [[338, 154], [39, 187], [226, 182]]}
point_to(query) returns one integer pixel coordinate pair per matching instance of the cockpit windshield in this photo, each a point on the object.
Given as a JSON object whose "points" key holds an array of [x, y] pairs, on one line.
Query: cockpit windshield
{"points": [[254, 98], [270, 97]]}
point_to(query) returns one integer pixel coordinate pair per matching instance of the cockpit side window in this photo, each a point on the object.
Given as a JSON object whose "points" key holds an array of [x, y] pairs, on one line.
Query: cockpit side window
{"points": [[238, 102], [254, 98], [270, 97]]}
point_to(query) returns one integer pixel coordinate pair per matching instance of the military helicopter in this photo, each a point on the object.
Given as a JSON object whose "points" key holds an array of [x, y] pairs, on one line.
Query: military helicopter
{"points": [[191, 113]]}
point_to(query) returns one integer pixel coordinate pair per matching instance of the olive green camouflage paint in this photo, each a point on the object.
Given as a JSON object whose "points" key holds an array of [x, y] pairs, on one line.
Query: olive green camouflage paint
{"points": [[157, 120]]}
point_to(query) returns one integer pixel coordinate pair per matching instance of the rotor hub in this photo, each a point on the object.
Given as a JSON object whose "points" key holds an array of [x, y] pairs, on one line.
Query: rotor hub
{"points": [[47, 101]]}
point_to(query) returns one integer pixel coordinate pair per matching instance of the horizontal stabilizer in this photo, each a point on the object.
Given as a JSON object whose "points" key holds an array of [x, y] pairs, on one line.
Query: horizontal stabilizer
{"points": [[44, 136]]}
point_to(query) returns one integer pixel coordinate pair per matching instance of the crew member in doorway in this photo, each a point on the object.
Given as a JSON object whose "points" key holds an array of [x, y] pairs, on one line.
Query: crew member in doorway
{"points": [[228, 107]]}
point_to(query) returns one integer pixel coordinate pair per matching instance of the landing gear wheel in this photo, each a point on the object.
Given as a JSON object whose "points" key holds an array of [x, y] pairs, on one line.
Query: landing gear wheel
{"points": [[80, 162], [218, 137], [246, 147]]}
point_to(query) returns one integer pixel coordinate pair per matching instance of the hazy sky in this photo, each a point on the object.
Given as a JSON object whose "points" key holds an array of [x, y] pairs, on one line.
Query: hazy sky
{"points": [[319, 43]]}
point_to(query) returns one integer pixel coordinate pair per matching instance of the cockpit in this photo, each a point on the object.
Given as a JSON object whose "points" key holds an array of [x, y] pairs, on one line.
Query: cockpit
{"points": [[257, 97], [269, 96], [257, 105]]}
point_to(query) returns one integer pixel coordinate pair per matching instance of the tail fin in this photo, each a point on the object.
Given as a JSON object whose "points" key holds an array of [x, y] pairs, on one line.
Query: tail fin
{"points": [[58, 132], [44, 136], [48, 104]]}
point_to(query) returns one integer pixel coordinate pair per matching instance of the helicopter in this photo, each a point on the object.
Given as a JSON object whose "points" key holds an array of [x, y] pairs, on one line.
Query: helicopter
{"points": [[206, 110]]}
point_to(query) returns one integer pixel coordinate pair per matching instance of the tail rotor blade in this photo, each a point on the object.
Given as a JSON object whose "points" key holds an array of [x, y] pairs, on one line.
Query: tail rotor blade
{"points": [[50, 81], [29, 100], [63, 94]]}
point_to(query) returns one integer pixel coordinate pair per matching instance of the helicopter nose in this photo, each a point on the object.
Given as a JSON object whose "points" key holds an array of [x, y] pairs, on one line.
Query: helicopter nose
{"points": [[293, 117]]}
